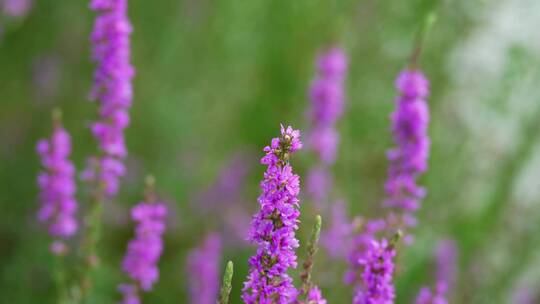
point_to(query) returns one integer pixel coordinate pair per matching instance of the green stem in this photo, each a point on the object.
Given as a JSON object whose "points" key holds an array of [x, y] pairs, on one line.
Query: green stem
{"points": [[227, 284], [429, 20], [89, 247], [60, 278], [312, 248]]}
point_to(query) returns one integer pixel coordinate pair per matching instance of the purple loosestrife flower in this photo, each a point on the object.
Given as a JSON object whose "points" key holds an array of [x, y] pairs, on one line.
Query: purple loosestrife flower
{"points": [[361, 244], [16, 8], [523, 295], [129, 293], [224, 199], [203, 271], [446, 255], [326, 94], [409, 158], [57, 186], [143, 252], [226, 189], [314, 296], [377, 275], [427, 297], [273, 227], [112, 89], [336, 239]]}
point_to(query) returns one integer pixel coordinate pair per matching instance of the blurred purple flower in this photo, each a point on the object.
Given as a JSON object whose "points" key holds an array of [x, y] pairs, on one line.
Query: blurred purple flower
{"points": [[427, 297], [143, 252], [314, 296], [523, 295], [57, 184], [130, 294], [446, 261], [223, 199], [409, 158], [377, 276], [360, 245], [318, 183], [226, 189], [327, 90], [112, 90], [203, 270], [446, 254], [16, 8], [326, 94], [273, 227], [336, 239]]}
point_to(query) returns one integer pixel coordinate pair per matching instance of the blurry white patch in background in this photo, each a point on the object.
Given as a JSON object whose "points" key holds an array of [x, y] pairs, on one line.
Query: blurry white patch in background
{"points": [[495, 77], [527, 186]]}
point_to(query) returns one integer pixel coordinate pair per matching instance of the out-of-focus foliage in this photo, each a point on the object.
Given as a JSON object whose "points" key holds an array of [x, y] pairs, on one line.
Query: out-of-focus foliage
{"points": [[215, 77]]}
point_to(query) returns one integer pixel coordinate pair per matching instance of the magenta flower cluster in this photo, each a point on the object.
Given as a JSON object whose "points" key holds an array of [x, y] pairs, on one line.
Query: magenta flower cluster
{"points": [[378, 275], [446, 259], [273, 227], [203, 270], [143, 252], [409, 158], [426, 296], [112, 89], [337, 238], [327, 97], [57, 185], [16, 8], [314, 296], [360, 248], [407, 161]]}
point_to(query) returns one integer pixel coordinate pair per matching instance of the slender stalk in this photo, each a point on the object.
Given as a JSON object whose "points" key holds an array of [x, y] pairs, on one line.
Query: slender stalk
{"points": [[60, 279], [89, 250], [429, 20], [312, 248], [226, 288]]}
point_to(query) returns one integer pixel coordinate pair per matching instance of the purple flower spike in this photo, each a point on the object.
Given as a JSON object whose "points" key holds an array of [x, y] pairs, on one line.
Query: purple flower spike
{"points": [[203, 271], [16, 8], [112, 90], [446, 255], [378, 274], [327, 99], [361, 244], [129, 293], [327, 103], [314, 296], [336, 239], [273, 227], [427, 297], [409, 158], [57, 187], [143, 252]]}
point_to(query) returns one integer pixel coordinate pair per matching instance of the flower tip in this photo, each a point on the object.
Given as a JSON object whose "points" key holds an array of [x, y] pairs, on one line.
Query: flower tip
{"points": [[430, 20], [57, 115], [150, 181], [318, 220]]}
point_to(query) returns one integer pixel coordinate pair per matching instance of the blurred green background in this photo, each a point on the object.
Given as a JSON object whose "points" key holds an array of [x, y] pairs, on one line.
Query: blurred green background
{"points": [[215, 77]]}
